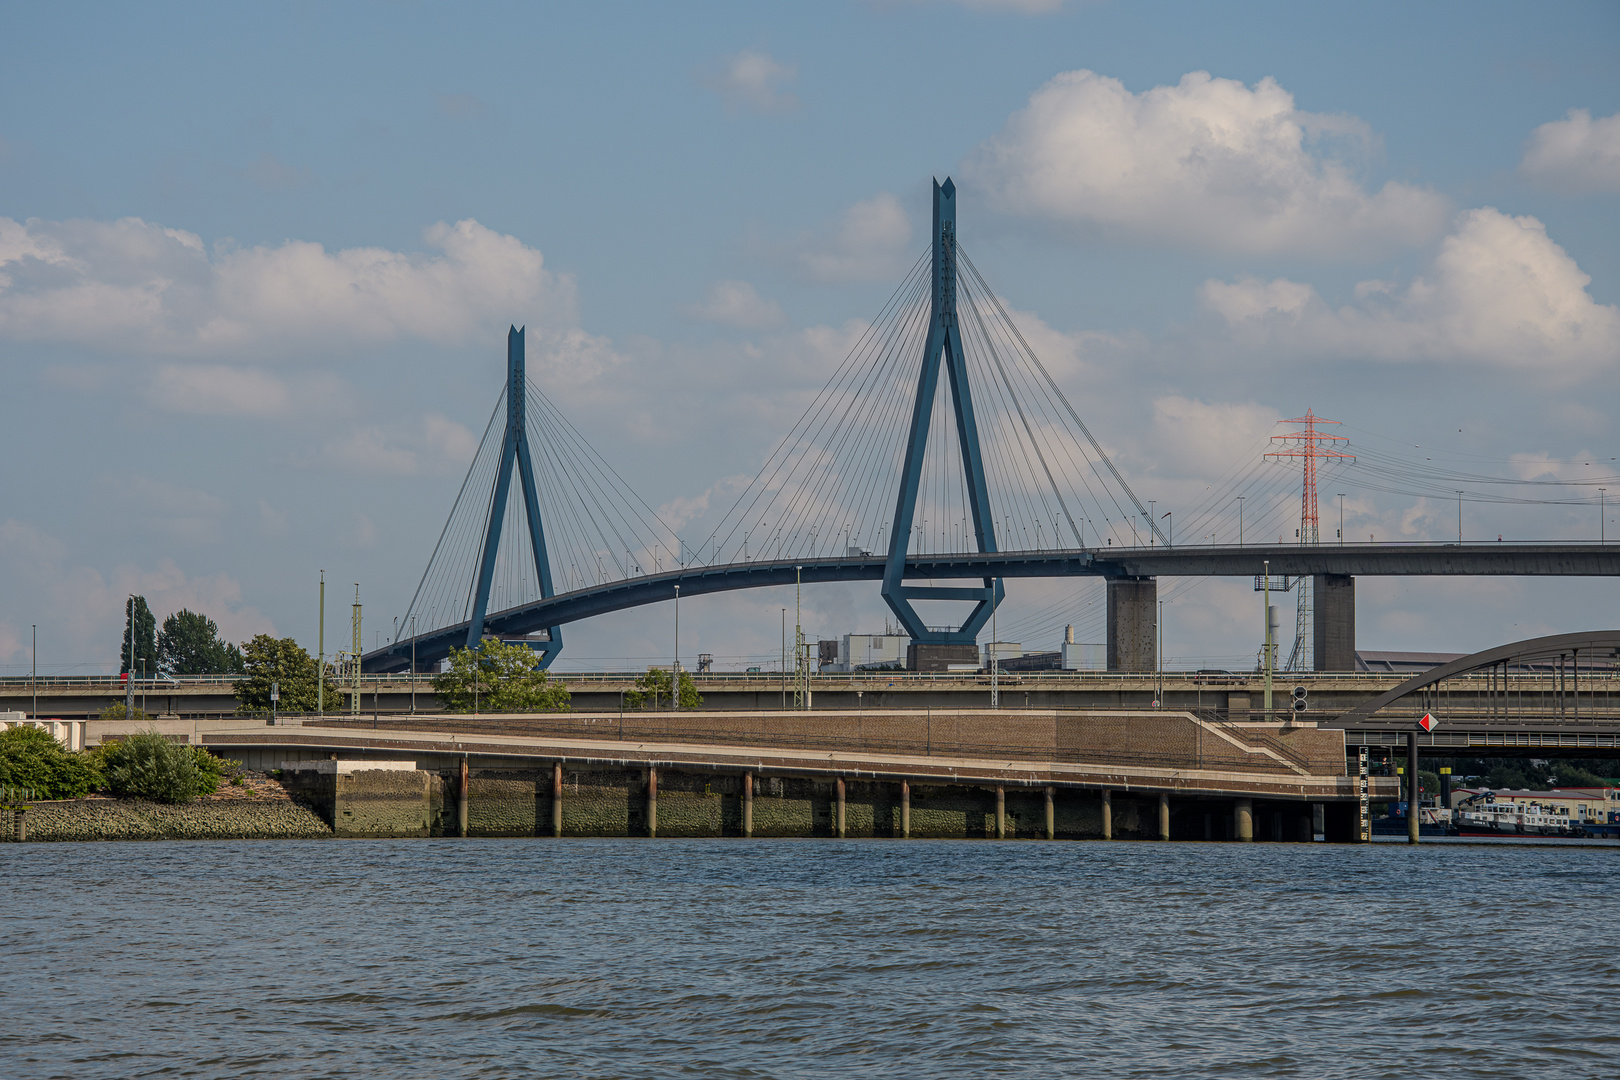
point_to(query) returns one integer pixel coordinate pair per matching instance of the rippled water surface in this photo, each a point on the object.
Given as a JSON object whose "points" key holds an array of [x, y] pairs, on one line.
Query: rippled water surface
{"points": [[629, 958]]}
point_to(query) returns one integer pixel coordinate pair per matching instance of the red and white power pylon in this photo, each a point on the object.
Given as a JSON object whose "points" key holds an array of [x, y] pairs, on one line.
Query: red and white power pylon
{"points": [[1308, 446]]}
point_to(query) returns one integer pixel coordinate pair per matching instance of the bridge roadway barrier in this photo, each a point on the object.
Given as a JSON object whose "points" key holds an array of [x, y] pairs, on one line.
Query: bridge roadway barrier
{"points": [[903, 773], [1474, 698]]}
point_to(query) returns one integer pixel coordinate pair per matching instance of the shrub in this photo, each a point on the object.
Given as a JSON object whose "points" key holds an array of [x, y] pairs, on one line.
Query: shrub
{"points": [[115, 711], [31, 758], [148, 766]]}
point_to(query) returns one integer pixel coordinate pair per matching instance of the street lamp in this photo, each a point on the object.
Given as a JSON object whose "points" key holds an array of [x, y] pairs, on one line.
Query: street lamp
{"points": [[1602, 536], [1341, 518], [33, 670], [1170, 532], [1459, 517], [675, 668]]}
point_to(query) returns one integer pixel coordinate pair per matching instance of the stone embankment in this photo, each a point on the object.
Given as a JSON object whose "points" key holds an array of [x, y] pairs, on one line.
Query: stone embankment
{"points": [[136, 819], [256, 809]]}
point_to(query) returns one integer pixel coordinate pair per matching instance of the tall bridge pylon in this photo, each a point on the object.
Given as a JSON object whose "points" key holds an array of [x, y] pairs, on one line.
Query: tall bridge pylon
{"points": [[943, 349], [514, 450]]}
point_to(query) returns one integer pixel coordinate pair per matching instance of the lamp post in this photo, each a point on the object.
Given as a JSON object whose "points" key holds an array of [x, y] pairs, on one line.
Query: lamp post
{"points": [[320, 667], [1341, 518], [1170, 531], [1602, 521], [675, 668], [33, 670], [995, 654], [413, 665], [784, 659], [1151, 530], [1459, 517]]}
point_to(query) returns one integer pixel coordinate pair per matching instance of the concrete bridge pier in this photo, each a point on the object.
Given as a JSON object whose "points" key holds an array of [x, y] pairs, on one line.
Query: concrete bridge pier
{"points": [[1051, 816], [1107, 814], [1243, 819], [1133, 623], [652, 800], [1164, 815], [905, 809], [839, 820], [1001, 812], [556, 799], [1333, 617]]}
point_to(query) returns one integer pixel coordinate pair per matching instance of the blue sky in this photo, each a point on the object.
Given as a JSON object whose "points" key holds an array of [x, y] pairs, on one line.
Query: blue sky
{"points": [[244, 337]]}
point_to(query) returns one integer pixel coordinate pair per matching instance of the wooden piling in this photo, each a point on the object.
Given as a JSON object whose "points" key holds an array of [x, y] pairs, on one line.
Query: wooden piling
{"points": [[556, 799], [905, 809], [1107, 814], [840, 820], [1164, 815], [1243, 819], [1051, 817], [652, 800], [1001, 812], [461, 800], [1414, 814]]}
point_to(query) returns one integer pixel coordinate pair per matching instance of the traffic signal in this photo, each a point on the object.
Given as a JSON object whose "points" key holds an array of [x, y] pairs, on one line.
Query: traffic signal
{"points": [[1299, 699]]}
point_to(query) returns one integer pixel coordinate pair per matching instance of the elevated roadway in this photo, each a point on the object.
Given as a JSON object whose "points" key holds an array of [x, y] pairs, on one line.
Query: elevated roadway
{"points": [[1131, 573]]}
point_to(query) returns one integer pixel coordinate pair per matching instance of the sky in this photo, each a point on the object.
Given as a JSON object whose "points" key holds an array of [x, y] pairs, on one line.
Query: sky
{"points": [[257, 263]]}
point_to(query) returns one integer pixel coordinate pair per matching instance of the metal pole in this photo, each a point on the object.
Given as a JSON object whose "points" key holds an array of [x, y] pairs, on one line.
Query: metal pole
{"points": [[798, 641], [320, 672], [1240, 499], [1602, 521], [1159, 692], [129, 681], [675, 668], [784, 659], [1341, 519], [1459, 520], [413, 665], [995, 659], [33, 670], [1265, 613]]}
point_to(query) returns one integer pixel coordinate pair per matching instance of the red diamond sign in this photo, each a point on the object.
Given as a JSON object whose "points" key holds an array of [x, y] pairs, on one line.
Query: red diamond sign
{"points": [[1428, 723]]}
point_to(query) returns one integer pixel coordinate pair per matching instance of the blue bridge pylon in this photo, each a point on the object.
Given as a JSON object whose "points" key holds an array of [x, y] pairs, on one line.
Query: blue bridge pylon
{"points": [[943, 347], [514, 449]]}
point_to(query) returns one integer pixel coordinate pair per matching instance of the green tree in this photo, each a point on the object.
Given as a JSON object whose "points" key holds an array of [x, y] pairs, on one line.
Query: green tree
{"points": [[497, 677], [116, 711], [138, 621], [266, 660], [652, 689], [190, 645], [31, 758]]}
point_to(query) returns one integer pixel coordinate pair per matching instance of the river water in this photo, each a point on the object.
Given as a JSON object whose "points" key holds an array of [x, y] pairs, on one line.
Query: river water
{"points": [[657, 958]]}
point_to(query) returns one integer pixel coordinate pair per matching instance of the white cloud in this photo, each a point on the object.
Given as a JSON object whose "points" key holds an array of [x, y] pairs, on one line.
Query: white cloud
{"points": [[1500, 292], [737, 303], [1575, 154], [1200, 439], [1207, 163], [436, 445], [86, 606], [215, 389], [754, 80], [870, 242], [130, 285]]}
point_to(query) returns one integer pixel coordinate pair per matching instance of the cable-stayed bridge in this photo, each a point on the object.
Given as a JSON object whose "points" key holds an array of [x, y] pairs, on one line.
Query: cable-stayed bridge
{"points": [[936, 488]]}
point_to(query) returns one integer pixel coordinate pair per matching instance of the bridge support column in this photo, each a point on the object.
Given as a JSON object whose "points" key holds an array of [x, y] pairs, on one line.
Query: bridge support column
{"points": [[1243, 819], [838, 821], [1164, 815], [905, 809], [556, 799], [1108, 814], [1133, 615], [748, 805], [1333, 617], [1051, 818], [1001, 812]]}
